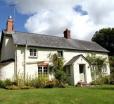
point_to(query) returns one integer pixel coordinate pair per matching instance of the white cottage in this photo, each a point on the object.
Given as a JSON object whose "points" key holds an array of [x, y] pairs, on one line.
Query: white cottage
{"points": [[27, 54]]}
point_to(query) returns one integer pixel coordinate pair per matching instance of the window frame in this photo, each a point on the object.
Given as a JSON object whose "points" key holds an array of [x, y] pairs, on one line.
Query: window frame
{"points": [[43, 73], [60, 54], [33, 52]]}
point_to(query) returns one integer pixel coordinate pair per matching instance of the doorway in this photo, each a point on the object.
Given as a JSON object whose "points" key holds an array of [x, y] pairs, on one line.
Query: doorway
{"points": [[82, 72]]}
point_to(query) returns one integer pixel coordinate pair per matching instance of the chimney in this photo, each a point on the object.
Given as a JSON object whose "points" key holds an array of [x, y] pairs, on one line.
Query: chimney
{"points": [[9, 25], [67, 34]]}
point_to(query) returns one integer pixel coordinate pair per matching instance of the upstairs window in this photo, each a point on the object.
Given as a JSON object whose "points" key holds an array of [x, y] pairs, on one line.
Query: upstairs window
{"points": [[33, 52], [60, 53]]}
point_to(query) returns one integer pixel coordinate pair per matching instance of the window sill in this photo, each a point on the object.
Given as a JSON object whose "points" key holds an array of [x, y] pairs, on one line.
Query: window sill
{"points": [[35, 57]]}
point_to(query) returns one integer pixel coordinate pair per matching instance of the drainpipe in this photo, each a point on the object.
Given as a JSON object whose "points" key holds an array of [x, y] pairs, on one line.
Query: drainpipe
{"points": [[25, 62], [15, 65]]}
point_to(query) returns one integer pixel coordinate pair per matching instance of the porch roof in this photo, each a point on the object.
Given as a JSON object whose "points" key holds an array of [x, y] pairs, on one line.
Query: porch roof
{"points": [[75, 58]]}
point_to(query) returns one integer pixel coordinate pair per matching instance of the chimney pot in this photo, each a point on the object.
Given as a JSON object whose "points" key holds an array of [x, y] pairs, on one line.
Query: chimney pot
{"points": [[67, 34], [9, 25]]}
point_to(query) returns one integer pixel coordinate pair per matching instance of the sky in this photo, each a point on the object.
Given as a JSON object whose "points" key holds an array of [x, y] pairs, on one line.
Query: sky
{"points": [[52, 17]]}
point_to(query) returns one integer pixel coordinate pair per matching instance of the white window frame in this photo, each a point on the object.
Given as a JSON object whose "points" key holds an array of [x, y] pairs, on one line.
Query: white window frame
{"points": [[33, 53], [42, 72]]}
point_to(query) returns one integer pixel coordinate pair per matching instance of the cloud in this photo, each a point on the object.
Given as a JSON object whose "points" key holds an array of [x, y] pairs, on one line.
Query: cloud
{"points": [[53, 16]]}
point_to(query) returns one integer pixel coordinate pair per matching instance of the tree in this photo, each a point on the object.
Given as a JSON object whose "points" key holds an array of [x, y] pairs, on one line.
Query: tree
{"points": [[58, 68], [105, 37]]}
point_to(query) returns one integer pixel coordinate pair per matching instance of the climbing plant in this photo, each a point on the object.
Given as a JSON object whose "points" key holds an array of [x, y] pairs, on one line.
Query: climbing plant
{"points": [[96, 63], [58, 67]]}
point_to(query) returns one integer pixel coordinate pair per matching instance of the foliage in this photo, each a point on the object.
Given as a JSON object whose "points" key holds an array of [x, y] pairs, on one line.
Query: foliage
{"points": [[105, 37], [57, 68], [6, 83], [51, 84], [96, 63], [101, 80], [12, 87], [1, 84], [111, 58], [38, 82]]}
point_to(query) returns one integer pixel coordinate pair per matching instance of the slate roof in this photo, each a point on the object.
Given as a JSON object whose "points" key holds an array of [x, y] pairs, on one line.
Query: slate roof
{"points": [[39, 40], [74, 59]]}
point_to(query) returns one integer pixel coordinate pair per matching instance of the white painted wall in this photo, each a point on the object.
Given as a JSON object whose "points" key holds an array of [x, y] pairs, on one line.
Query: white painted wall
{"points": [[77, 73], [43, 53], [7, 51], [43, 56], [32, 69], [7, 71], [70, 54]]}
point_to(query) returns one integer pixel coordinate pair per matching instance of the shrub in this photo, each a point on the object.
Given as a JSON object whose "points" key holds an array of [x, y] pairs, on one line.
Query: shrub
{"points": [[7, 82], [13, 87], [101, 80], [51, 84], [1, 84], [38, 83]]}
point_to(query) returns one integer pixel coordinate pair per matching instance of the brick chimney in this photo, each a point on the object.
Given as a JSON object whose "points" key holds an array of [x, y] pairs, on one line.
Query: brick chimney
{"points": [[67, 34], [9, 25]]}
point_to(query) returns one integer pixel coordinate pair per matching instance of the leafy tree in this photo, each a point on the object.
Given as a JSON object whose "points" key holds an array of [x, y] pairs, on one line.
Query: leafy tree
{"points": [[105, 37], [58, 68]]}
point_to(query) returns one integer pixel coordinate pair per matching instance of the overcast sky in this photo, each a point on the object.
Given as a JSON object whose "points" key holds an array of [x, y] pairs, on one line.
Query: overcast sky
{"points": [[52, 17]]}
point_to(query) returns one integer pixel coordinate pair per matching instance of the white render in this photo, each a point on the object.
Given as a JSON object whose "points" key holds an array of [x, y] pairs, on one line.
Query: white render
{"points": [[77, 75], [7, 71], [23, 61]]}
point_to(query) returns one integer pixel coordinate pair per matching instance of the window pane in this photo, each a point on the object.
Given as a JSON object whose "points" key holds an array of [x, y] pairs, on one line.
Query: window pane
{"points": [[45, 70], [39, 70], [33, 52], [60, 53]]}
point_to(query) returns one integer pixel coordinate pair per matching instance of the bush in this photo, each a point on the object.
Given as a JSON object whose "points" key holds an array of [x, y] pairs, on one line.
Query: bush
{"points": [[1, 84], [101, 80], [38, 83], [51, 84], [13, 87], [7, 82]]}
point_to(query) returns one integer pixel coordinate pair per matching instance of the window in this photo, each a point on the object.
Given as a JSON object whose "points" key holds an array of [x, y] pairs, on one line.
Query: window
{"points": [[39, 70], [60, 53], [43, 70], [33, 52]]}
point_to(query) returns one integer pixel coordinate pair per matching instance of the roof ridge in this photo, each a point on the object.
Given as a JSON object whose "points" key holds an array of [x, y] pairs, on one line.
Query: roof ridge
{"points": [[54, 36], [38, 34]]}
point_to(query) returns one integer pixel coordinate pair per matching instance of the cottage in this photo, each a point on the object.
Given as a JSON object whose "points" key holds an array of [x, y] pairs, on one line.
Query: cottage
{"points": [[27, 54]]}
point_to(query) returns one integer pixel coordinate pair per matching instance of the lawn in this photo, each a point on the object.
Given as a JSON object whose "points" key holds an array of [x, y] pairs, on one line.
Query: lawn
{"points": [[97, 95]]}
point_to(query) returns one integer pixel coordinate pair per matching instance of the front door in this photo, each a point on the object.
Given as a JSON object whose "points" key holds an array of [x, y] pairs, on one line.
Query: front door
{"points": [[82, 72]]}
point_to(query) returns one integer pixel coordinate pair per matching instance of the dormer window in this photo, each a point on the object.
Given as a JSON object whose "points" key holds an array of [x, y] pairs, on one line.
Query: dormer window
{"points": [[33, 52], [60, 53]]}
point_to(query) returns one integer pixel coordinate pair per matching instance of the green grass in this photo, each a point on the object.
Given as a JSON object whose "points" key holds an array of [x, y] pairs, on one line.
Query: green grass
{"points": [[97, 95]]}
